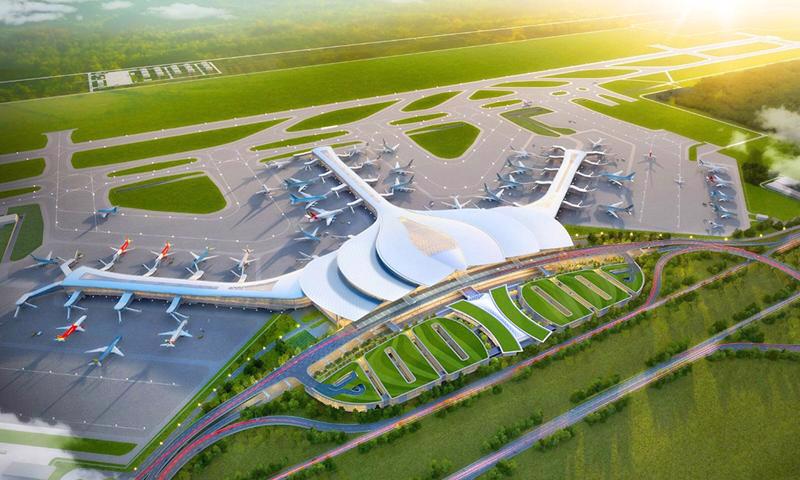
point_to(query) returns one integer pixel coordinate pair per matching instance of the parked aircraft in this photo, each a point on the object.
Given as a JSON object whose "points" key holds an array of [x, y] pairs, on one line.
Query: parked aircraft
{"points": [[519, 153], [680, 180], [300, 185], [164, 253], [401, 170], [615, 209], [509, 181], [242, 263], [402, 185], [721, 196], [712, 167], [456, 203], [519, 168], [106, 212], [202, 257], [597, 144], [265, 190], [118, 252], [106, 351], [714, 226], [70, 329], [353, 152], [386, 149], [306, 199], [308, 236], [717, 182], [650, 157], [174, 335], [44, 261], [723, 212], [492, 195], [316, 214], [617, 178]]}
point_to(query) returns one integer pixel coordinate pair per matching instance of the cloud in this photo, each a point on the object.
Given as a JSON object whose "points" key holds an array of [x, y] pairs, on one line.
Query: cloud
{"points": [[20, 12], [116, 5], [785, 123], [188, 11]]}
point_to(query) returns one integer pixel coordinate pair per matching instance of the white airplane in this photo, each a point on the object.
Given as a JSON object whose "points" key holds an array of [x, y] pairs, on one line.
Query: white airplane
{"points": [[714, 226], [712, 167], [717, 182], [616, 208], [509, 181], [402, 186], [118, 252], [353, 152], [265, 190], [174, 335], [492, 195], [723, 212], [457, 205], [316, 214], [106, 351], [650, 157], [519, 153], [518, 167], [679, 180], [160, 256], [277, 164], [386, 149], [242, 263], [308, 236], [596, 144], [401, 170]]}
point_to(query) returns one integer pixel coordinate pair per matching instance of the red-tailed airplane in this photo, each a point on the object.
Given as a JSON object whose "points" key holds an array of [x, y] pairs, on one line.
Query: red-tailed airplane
{"points": [[164, 253], [118, 252], [174, 335], [70, 329]]}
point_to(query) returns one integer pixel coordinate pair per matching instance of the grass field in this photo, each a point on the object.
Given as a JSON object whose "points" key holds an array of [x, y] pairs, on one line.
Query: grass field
{"points": [[19, 191], [670, 61], [289, 154], [546, 309], [166, 146], [600, 73], [636, 276], [740, 49], [5, 235], [691, 73], [486, 94], [693, 151], [523, 117], [339, 117], [135, 110], [510, 309], [388, 374], [430, 101], [503, 103], [468, 341], [369, 395], [549, 389], [418, 118], [153, 167], [502, 336], [447, 140], [63, 442], [656, 116], [291, 142], [532, 84], [785, 329], [301, 340], [700, 426], [612, 291], [191, 192], [30, 234], [13, 171]]}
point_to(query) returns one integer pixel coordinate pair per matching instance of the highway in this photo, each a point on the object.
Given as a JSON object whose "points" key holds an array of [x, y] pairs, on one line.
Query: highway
{"points": [[168, 460]]}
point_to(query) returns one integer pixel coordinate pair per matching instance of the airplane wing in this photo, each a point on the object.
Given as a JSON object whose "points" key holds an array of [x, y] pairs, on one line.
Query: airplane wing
{"points": [[184, 333], [162, 334], [96, 350], [330, 220], [117, 351]]}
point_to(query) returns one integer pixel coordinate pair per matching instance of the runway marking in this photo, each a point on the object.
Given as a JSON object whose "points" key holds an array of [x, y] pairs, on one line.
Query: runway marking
{"points": [[93, 377]]}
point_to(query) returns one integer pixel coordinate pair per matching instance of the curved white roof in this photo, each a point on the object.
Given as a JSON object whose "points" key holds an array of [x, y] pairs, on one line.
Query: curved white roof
{"points": [[504, 231], [323, 284], [549, 231], [358, 261]]}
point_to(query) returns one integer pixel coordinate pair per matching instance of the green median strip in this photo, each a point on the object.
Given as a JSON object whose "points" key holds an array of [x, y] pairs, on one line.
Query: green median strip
{"points": [[523, 117], [507, 306], [532, 84], [503, 103], [291, 142], [166, 146], [13, 171], [190, 192], [152, 167], [63, 442], [502, 336], [418, 119], [599, 73], [486, 94], [430, 101], [445, 140], [30, 234], [339, 117], [290, 154], [19, 191], [693, 151]]}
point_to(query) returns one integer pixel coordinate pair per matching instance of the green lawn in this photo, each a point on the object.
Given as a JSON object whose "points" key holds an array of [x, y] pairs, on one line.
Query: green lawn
{"points": [[501, 335], [166, 146], [691, 73], [19, 191], [369, 395], [485, 94], [740, 49], [388, 374], [636, 86], [418, 118], [291, 142], [670, 61], [430, 101], [29, 237], [439, 348], [700, 426], [572, 281], [510, 309], [152, 167], [13, 171], [289, 154], [546, 309], [693, 151], [636, 276], [656, 116], [339, 117], [447, 140], [63, 442], [599, 73], [5, 235], [548, 389], [786, 326], [301, 340], [181, 193], [503, 103], [532, 84], [523, 117]]}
